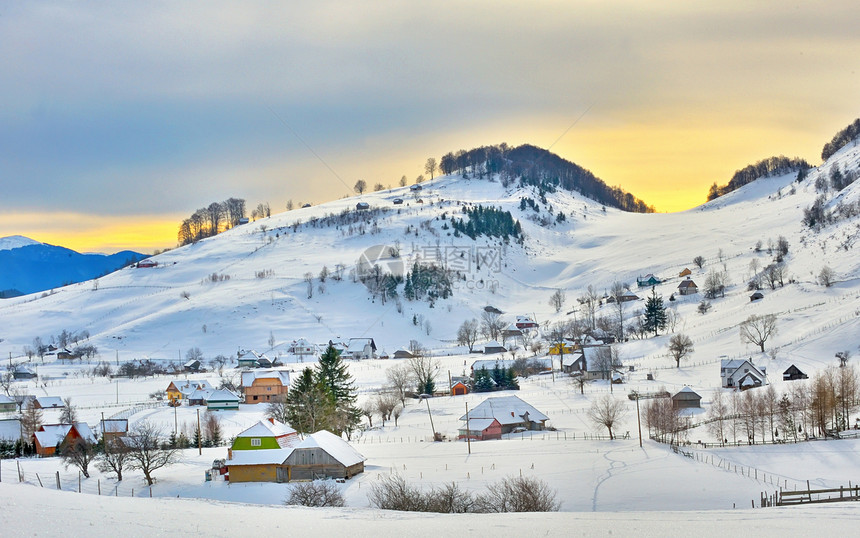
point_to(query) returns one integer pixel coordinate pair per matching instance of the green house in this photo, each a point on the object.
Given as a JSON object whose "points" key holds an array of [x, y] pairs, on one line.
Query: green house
{"points": [[647, 280], [266, 434]]}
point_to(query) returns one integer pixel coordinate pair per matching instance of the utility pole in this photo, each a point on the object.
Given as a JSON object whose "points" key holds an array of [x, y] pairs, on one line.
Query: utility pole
{"points": [[427, 400], [468, 433], [638, 420], [199, 436]]}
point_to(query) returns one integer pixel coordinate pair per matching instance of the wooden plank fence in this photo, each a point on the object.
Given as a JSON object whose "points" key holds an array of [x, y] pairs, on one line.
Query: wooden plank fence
{"points": [[810, 496]]}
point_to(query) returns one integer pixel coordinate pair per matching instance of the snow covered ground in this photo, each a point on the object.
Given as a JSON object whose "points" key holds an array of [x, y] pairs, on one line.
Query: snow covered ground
{"points": [[162, 312]]}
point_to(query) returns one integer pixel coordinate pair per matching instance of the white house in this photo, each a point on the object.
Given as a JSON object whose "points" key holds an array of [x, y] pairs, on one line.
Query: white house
{"points": [[511, 412], [360, 348], [741, 373]]}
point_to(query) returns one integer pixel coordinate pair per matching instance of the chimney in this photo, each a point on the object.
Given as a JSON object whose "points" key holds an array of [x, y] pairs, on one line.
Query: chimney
{"points": [[272, 421], [229, 453]]}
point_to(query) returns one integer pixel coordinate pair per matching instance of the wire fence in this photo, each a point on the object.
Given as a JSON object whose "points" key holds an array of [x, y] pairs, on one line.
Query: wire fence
{"points": [[17, 472]]}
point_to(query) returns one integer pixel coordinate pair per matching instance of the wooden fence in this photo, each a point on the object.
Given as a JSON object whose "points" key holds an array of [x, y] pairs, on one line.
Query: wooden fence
{"points": [[810, 496]]}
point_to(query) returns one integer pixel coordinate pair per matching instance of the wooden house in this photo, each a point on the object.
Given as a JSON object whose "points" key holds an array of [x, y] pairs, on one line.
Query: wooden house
{"points": [[687, 287], [302, 348], [403, 354], [793, 373], [686, 398], [415, 188], [265, 435], [398, 201], [113, 428], [756, 296], [510, 411], [192, 366], [493, 347], [685, 272], [22, 372], [562, 348], [261, 386], [147, 263], [252, 359], [323, 455], [51, 436], [256, 465], [525, 322]]}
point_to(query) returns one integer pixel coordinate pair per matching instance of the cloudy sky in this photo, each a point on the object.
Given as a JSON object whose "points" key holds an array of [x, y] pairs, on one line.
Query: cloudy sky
{"points": [[118, 119]]}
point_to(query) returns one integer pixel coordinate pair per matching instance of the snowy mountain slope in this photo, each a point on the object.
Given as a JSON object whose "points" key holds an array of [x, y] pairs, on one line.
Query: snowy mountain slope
{"points": [[16, 241], [159, 311]]}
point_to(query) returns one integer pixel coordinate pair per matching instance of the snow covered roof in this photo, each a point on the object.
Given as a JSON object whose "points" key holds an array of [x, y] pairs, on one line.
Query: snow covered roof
{"points": [[54, 434], [10, 430], [358, 344], [248, 378], [50, 401], [187, 386], [505, 409], [222, 395], [686, 393], [267, 428], [268, 456], [5, 399], [334, 446], [114, 425], [479, 424]]}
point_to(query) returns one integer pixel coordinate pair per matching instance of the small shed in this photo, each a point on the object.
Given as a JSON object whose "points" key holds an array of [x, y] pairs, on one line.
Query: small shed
{"points": [[192, 366], [686, 398], [494, 347], [403, 354], [756, 296], [685, 272], [793, 373], [415, 188], [362, 205], [459, 389], [398, 201], [22, 372], [114, 428]]}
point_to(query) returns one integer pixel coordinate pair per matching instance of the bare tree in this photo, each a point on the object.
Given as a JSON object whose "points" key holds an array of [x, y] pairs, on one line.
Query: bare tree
{"points": [[68, 414], [114, 458], [368, 409], [590, 300], [360, 186], [316, 494], [556, 300], [680, 345], [757, 329], [403, 181], [617, 292], [467, 334], [79, 453], [7, 378], [607, 411], [430, 167], [309, 280], [424, 371], [400, 378], [717, 413], [147, 452], [663, 419], [579, 381], [491, 325], [31, 420], [378, 187], [704, 307], [699, 261]]}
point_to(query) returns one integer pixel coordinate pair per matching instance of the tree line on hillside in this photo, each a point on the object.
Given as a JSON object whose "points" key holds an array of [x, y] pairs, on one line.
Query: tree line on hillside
{"points": [[841, 139], [487, 221], [536, 166], [772, 166], [210, 220]]}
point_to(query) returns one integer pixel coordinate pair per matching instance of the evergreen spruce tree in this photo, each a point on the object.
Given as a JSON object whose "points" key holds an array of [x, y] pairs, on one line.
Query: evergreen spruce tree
{"points": [[333, 376], [483, 383], [309, 405], [655, 313]]}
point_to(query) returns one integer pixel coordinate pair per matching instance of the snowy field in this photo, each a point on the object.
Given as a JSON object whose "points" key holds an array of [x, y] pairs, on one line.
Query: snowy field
{"points": [[604, 486]]}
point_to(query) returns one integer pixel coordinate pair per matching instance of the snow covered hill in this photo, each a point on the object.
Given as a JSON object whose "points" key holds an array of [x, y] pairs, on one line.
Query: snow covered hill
{"points": [[238, 289]]}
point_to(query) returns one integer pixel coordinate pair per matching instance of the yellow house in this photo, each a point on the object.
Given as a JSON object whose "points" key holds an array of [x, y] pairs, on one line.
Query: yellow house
{"points": [[180, 389], [261, 386], [559, 348]]}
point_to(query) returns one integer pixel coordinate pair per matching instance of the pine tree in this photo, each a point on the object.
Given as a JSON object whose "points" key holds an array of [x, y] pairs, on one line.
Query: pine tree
{"points": [[655, 313], [332, 375], [309, 405], [483, 383]]}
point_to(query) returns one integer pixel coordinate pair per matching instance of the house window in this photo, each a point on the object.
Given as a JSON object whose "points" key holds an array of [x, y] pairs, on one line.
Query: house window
{"points": [[255, 397], [256, 442], [269, 388]]}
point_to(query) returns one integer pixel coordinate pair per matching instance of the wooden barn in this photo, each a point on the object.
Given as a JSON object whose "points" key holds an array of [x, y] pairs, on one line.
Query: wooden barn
{"points": [[793, 373], [322, 455], [687, 287], [51, 436], [686, 398]]}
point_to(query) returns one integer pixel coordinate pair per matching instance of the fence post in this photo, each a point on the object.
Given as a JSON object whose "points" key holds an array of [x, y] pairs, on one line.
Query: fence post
{"points": [[79, 481], [99, 482], [58, 480]]}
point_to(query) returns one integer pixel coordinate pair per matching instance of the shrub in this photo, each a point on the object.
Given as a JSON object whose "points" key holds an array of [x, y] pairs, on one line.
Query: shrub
{"points": [[316, 493], [518, 494]]}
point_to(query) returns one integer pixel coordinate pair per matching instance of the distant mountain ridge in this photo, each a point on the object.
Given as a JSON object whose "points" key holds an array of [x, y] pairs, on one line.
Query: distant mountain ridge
{"points": [[27, 266]]}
